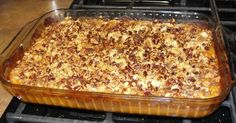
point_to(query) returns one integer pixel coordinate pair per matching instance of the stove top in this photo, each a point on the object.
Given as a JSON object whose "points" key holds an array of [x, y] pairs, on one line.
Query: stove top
{"points": [[19, 112]]}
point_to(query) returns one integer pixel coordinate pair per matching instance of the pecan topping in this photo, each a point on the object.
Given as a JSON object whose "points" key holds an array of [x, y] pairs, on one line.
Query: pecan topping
{"points": [[122, 56]]}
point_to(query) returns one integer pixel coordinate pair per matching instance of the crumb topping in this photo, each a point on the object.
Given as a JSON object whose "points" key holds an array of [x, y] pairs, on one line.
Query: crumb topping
{"points": [[123, 56]]}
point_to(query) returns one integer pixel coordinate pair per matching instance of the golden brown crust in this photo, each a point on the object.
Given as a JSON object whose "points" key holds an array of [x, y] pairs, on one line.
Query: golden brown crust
{"points": [[123, 56]]}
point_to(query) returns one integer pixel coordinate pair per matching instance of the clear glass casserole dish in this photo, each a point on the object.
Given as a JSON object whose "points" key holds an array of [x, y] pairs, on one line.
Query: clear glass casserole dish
{"points": [[150, 105]]}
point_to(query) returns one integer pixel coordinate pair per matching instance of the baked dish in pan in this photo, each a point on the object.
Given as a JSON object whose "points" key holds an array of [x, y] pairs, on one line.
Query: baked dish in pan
{"points": [[122, 56]]}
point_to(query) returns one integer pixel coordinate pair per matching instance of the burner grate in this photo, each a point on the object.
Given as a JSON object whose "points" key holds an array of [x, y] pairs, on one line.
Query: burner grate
{"points": [[59, 112], [131, 118], [227, 11], [222, 115]]}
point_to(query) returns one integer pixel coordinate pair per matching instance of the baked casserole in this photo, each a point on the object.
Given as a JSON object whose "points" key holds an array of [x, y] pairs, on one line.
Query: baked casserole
{"points": [[123, 56]]}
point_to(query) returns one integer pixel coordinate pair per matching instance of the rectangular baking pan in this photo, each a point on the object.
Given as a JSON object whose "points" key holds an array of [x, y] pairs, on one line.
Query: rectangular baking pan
{"points": [[150, 105]]}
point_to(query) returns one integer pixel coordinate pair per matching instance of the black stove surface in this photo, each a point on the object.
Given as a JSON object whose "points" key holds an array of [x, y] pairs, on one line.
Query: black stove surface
{"points": [[19, 112]]}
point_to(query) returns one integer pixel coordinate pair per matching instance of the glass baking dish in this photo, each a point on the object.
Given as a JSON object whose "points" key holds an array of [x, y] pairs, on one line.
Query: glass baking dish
{"points": [[150, 105]]}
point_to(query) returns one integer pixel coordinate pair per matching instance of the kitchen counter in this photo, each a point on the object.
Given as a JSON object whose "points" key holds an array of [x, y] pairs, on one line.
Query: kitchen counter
{"points": [[14, 14]]}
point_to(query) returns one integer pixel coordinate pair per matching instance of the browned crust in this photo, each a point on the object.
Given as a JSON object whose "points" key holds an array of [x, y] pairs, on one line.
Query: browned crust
{"points": [[123, 56]]}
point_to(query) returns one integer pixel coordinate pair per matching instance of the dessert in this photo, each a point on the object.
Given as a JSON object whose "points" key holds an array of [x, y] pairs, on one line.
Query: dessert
{"points": [[123, 56]]}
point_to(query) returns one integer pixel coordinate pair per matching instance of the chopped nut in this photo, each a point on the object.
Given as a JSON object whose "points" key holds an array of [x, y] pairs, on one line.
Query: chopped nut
{"points": [[145, 73], [122, 56], [126, 84]]}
